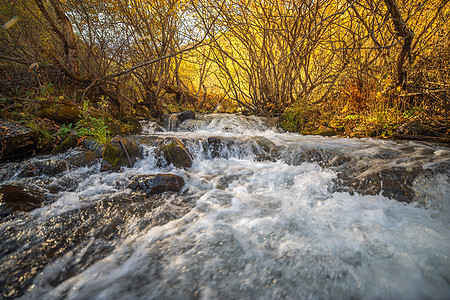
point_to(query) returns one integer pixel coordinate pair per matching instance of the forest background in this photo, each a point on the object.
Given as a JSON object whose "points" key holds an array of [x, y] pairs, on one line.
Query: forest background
{"points": [[330, 67]]}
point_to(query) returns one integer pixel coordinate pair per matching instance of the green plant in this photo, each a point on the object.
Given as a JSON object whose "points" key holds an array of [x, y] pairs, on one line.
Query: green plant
{"points": [[89, 126], [293, 118], [46, 89], [412, 112], [64, 130]]}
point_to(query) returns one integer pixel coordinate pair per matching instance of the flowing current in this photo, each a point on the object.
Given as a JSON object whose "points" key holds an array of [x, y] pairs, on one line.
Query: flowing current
{"points": [[262, 215]]}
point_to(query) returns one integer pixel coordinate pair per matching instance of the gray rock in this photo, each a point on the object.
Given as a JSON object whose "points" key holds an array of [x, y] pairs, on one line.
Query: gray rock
{"points": [[49, 167], [156, 184], [186, 115]]}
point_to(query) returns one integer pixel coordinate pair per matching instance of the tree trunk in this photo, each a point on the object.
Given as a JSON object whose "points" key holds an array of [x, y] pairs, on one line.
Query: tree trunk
{"points": [[65, 34], [404, 32]]}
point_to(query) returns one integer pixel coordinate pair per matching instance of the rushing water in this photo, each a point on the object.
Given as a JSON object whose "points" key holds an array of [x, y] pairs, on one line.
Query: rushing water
{"points": [[241, 228]]}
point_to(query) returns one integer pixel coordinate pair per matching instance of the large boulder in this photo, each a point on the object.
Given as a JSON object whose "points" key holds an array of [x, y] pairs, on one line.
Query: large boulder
{"points": [[16, 140], [20, 198], [176, 153], [156, 184], [121, 152]]}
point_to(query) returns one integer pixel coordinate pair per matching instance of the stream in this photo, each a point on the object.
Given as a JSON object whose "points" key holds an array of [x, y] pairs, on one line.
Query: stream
{"points": [[263, 214]]}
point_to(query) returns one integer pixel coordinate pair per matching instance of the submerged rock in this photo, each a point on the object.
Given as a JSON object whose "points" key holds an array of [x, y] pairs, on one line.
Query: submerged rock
{"points": [[157, 184], [20, 198], [214, 146], [176, 153]]}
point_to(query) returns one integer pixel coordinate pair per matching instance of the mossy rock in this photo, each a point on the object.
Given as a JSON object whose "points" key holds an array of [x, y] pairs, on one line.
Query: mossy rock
{"points": [[132, 149], [325, 131], [61, 113], [176, 153], [69, 142], [132, 125], [113, 159], [114, 156]]}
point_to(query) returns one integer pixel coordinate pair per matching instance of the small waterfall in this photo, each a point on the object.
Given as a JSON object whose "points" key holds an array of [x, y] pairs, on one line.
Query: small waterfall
{"points": [[172, 123]]}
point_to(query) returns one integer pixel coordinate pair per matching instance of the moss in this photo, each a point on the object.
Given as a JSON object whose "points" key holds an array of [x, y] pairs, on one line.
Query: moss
{"points": [[176, 153], [115, 157], [69, 142], [61, 113], [44, 137]]}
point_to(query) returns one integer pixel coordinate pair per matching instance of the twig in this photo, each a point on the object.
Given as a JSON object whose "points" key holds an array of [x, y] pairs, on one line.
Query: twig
{"points": [[126, 152]]}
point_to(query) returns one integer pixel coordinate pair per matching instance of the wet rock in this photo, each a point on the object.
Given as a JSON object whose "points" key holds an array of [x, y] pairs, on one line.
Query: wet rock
{"points": [[83, 158], [224, 181], [311, 156], [156, 184], [271, 152], [49, 167], [152, 127], [16, 141], [93, 145], [20, 198], [339, 160], [176, 153], [172, 121], [394, 183], [70, 141], [121, 152], [186, 115], [91, 232], [214, 146]]}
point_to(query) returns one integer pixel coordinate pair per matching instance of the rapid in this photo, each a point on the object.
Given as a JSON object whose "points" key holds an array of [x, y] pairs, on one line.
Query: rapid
{"points": [[263, 214]]}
